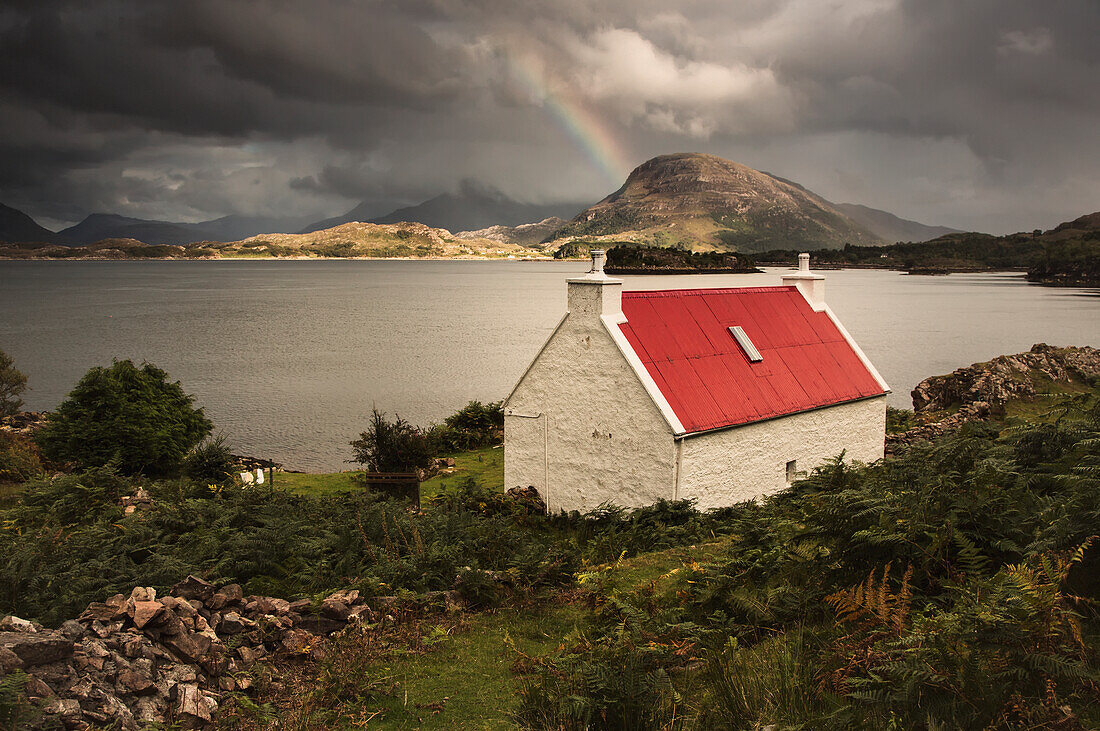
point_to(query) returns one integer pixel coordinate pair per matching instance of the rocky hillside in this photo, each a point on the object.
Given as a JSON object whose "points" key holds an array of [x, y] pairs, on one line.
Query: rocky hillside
{"points": [[981, 390], [367, 239], [708, 203], [526, 234]]}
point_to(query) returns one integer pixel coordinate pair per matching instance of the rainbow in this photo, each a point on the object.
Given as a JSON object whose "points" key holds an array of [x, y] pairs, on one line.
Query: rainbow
{"points": [[590, 133]]}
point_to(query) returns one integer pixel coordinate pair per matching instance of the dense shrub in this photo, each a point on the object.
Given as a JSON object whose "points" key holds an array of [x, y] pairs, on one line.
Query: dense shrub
{"points": [[393, 446], [474, 426], [211, 461], [129, 416], [19, 459]]}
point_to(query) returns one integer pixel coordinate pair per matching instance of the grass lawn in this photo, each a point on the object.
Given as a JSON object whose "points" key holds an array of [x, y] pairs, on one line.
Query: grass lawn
{"points": [[467, 676], [317, 484], [484, 465]]}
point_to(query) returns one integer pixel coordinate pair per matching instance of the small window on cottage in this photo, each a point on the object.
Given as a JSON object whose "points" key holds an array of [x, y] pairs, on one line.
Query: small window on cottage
{"points": [[742, 339], [792, 471]]}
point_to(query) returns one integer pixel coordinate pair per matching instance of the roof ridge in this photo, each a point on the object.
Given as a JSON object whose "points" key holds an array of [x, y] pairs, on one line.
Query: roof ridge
{"points": [[707, 290]]}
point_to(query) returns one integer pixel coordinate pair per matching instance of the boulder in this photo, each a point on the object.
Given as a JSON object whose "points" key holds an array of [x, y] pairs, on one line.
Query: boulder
{"points": [[135, 682], [16, 624], [100, 611], [334, 609], [193, 588], [9, 661], [232, 623], [181, 607], [145, 612], [362, 614], [72, 629], [232, 593], [66, 709], [143, 594], [319, 625], [191, 702], [344, 596], [250, 655], [298, 642], [37, 690], [267, 605], [39, 648], [191, 646]]}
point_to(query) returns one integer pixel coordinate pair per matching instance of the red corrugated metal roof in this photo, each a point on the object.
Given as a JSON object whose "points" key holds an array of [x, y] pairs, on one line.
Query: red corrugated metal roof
{"points": [[682, 337]]}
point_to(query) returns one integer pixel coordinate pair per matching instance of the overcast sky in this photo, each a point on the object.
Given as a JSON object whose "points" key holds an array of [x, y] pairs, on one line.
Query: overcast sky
{"points": [[983, 114]]}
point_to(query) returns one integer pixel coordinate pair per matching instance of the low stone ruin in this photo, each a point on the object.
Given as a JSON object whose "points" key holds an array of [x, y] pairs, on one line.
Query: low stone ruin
{"points": [[141, 659]]}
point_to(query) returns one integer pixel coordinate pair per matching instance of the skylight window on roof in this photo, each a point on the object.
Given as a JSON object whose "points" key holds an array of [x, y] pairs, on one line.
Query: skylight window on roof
{"points": [[742, 339]]}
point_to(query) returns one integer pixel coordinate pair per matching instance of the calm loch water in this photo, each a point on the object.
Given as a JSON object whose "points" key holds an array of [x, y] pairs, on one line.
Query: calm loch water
{"points": [[287, 357]]}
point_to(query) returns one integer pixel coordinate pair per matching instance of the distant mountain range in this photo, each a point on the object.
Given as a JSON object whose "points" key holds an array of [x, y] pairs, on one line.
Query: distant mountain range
{"points": [[699, 201], [475, 206], [100, 226], [889, 227]]}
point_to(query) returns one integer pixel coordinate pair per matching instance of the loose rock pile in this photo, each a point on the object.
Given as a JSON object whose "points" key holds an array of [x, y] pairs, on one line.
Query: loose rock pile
{"points": [[131, 661], [982, 388], [25, 422]]}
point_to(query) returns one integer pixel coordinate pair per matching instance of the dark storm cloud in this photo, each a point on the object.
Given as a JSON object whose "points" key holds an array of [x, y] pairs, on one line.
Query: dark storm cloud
{"points": [[978, 114]]}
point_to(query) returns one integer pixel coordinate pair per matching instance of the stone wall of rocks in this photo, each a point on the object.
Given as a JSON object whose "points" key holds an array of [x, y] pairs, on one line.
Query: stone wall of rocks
{"points": [[983, 388], [140, 659]]}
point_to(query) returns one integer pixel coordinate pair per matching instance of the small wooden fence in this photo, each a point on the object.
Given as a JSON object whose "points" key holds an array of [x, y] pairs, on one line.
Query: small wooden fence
{"points": [[404, 485]]}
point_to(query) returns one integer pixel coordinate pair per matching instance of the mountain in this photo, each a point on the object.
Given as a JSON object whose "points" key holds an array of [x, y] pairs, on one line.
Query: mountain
{"points": [[475, 206], [525, 234], [706, 202], [234, 227], [362, 212], [18, 226], [100, 226], [890, 227]]}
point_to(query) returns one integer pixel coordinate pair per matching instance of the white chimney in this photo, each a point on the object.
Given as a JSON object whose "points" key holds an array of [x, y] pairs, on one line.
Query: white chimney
{"points": [[595, 294], [812, 286]]}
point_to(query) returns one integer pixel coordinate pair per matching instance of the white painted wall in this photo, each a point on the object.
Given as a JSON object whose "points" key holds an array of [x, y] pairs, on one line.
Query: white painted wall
{"points": [[579, 426], [725, 467]]}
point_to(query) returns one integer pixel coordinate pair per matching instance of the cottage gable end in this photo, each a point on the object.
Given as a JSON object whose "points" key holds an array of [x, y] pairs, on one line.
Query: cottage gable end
{"points": [[580, 425]]}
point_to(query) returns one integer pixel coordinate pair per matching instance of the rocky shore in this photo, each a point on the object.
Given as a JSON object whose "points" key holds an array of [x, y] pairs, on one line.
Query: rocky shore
{"points": [[981, 390]]}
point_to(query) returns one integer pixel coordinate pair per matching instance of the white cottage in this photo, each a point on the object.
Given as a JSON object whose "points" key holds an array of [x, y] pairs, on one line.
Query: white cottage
{"points": [[718, 395]]}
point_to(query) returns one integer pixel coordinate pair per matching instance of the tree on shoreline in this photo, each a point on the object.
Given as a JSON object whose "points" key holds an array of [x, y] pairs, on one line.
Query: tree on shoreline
{"points": [[392, 446], [12, 384]]}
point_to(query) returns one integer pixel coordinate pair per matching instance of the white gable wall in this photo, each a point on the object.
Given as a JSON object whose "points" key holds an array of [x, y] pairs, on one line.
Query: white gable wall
{"points": [[725, 467], [580, 426]]}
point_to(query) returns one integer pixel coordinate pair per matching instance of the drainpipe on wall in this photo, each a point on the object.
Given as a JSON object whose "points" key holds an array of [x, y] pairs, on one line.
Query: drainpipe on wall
{"points": [[678, 469]]}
